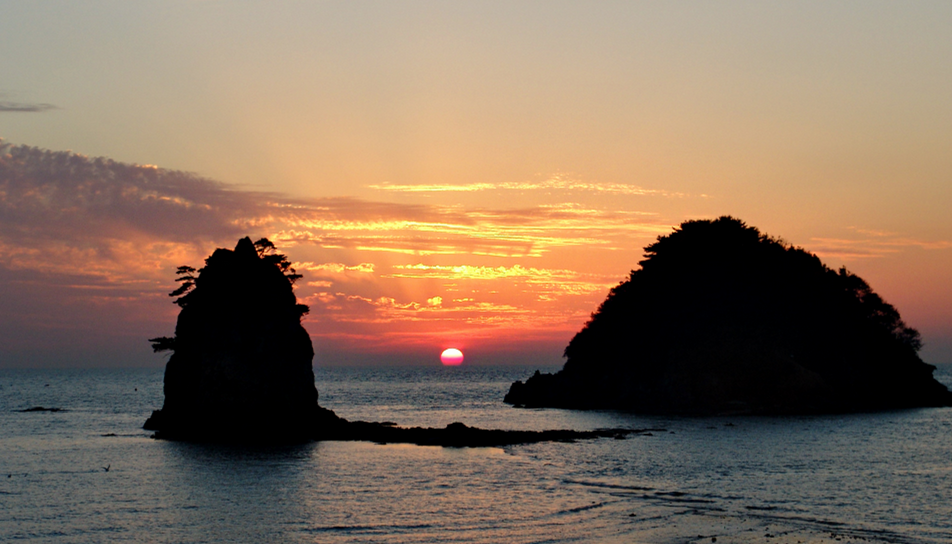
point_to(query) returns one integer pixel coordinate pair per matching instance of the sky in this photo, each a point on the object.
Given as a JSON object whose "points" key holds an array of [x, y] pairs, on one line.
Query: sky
{"points": [[445, 174]]}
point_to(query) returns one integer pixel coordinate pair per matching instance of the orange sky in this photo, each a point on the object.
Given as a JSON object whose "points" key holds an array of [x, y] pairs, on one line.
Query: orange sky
{"points": [[469, 175]]}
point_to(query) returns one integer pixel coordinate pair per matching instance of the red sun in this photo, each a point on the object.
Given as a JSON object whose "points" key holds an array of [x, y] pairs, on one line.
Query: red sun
{"points": [[452, 357]]}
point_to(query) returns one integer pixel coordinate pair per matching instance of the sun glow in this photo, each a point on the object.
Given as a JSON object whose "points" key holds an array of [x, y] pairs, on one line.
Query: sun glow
{"points": [[451, 357]]}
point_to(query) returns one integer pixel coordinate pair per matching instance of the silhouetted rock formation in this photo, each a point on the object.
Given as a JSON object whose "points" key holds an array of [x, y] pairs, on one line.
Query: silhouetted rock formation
{"points": [[241, 367], [722, 318]]}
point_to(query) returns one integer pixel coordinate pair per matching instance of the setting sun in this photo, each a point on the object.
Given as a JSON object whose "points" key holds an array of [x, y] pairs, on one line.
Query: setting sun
{"points": [[452, 357]]}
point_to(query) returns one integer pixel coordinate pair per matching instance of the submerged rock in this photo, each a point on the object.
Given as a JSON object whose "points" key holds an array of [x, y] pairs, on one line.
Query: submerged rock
{"points": [[459, 435], [721, 318], [42, 409]]}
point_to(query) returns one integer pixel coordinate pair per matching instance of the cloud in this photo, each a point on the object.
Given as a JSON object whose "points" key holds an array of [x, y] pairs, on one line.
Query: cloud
{"points": [[64, 196], [335, 273], [106, 236], [873, 244], [555, 183], [337, 313], [541, 280], [67, 196], [62, 212], [438, 188], [479, 272], [337, 268], [20, 107], [848, 250], [439, 230], [474, 272], [90, 240]]}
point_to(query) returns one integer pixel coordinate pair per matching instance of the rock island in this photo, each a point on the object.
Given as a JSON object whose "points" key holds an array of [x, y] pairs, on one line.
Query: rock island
{"points": [[721, 318]]}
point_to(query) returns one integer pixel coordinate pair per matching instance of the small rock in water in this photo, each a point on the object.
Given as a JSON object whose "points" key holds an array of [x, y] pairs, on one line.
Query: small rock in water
{"points": [[42, 409]]}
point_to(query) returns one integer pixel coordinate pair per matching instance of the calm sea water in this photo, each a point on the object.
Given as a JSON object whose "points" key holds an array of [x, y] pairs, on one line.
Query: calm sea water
{"points": [[883, 477]]}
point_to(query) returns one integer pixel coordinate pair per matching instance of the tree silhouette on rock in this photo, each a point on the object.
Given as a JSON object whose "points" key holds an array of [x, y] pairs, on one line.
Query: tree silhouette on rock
{"points": [[721, 317], [241, 361]]}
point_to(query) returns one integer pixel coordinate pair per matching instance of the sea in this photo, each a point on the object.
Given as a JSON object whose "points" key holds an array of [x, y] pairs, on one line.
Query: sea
{"points": [[89, 473]]}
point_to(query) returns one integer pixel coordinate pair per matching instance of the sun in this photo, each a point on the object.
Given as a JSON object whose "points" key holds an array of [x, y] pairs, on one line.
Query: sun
{"points": [[452, 357]]}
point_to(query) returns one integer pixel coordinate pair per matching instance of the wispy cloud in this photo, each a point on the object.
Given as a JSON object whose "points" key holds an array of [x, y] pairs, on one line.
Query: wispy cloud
{"points": [[328, 274], [555, 183], [72, 198], [872, 244], [475, 272], [107, 235], [425, 321], [435, 230], [544, 283], [62, 210], [21, 107], [337, 268], [67, 196]]}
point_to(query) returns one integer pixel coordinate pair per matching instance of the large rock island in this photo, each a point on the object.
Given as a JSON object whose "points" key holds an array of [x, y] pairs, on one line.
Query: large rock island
{"points": [[240, 371], [721, 318]]}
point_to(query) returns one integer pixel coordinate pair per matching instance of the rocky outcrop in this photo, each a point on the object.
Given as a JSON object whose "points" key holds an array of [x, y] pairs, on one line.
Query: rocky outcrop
{"points": [[241, 361], [240, 371], [721, 318]]}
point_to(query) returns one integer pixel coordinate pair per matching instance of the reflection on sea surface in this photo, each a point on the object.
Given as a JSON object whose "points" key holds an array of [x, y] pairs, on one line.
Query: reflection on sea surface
{"points": [[232, 493], [881, 477]]}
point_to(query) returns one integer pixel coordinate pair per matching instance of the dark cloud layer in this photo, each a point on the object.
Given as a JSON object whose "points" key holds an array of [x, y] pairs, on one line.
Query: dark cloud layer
{"points": [[64, 195]]}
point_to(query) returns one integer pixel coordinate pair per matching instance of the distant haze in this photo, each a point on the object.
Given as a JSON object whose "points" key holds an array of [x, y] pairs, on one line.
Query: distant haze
{"points": [[454, 175]]}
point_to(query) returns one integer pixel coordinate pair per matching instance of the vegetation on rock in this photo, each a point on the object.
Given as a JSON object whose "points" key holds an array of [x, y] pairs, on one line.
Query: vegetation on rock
{"points": [[721, 318], [241, 361]]}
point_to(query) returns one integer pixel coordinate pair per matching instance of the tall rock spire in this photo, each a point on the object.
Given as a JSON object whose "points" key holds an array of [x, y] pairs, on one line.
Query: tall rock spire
{"points": [[241, 363]]}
